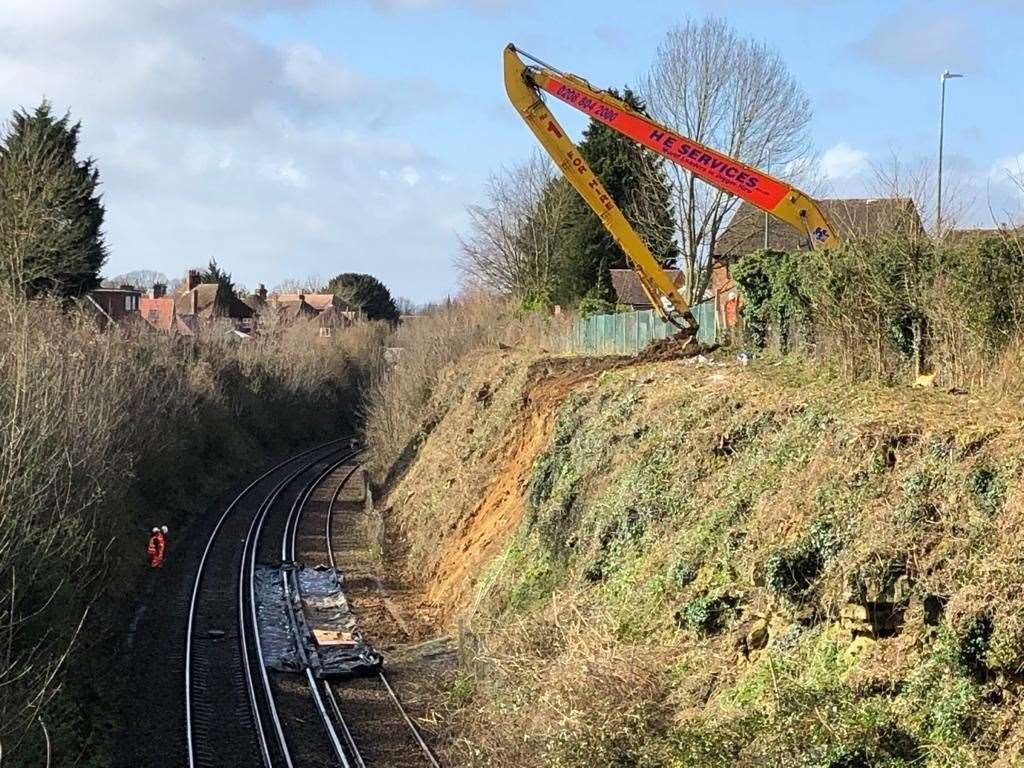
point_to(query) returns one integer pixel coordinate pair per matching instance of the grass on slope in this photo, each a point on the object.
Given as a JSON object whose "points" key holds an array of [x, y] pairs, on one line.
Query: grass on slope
{"points": [[717, 565]]}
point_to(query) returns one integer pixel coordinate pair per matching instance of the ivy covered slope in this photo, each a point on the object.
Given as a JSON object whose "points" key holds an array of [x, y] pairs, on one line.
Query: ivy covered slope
{"points": [[716, 565]]}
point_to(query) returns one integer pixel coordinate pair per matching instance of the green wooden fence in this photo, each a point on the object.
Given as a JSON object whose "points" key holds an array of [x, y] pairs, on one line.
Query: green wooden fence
{"points": [[626, 333]]}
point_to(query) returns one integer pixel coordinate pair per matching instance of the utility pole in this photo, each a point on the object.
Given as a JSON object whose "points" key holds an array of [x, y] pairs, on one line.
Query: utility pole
{"points": [[947, 75]]}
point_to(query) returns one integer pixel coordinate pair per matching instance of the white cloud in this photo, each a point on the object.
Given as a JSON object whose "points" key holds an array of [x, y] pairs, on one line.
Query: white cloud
{"points": [[410, 176], [286, 173], [213, 142], [1008, 168], [404, 5], [843, 161], [316, 76], [918, 38]]}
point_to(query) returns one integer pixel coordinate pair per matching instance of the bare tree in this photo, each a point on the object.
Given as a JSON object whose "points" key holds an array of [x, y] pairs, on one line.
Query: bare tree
{"points": [[917, 182], [513, 246], [1010, 224], [737, 96], [308, 284]]}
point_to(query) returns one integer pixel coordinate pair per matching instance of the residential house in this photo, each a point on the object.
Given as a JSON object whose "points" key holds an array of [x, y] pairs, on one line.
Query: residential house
{"points": [[115, 305], [629, 291], [211, 301], [328, 308], [194, 304], [750, 229], [293, 306], [157, 308]]}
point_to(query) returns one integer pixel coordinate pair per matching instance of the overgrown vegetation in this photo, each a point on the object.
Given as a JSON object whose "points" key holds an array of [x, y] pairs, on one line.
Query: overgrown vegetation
{"points": [[101, 435], [893, 306], [422, 352], [727, 566]]}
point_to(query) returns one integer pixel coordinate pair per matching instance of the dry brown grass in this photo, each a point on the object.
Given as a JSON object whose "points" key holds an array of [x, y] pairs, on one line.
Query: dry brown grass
{"points": [[101, 435], [559, 689], [425, 346]]}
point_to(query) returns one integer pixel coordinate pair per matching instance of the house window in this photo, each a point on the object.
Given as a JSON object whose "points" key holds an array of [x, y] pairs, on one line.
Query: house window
{"points": [[131, 303], [154, 315], [325, 330]]}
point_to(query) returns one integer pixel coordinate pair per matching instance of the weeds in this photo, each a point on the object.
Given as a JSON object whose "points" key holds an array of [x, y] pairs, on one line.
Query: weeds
{"points": [[103, 434]]}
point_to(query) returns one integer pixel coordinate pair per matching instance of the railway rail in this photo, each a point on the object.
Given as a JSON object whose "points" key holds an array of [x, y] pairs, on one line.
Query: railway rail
{"points": [[364, 708], [237, 711], [226, 720]]}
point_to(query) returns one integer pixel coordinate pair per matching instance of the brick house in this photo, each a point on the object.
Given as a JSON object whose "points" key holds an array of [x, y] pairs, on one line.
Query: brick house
{"points": [[748, 231], [157, 308], [194, 304], [328, 308], [115, 305], [629, 291]]}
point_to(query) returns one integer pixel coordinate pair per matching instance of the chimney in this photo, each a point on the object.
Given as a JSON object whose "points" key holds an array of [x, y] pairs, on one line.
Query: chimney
{"points": [[261, 292], [192, 279], [302, 297], [158, 291]]}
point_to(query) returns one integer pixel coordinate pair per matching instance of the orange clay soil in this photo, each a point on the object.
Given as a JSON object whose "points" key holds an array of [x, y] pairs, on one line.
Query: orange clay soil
{"points": [[481, 535]]}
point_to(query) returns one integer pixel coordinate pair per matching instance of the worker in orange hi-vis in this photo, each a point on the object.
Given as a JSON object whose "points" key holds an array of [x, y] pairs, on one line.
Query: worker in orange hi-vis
{"points": [[156, 547]]}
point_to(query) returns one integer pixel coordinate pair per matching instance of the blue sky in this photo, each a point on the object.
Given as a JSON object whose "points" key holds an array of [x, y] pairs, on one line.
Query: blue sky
{"points": [[292, 138]]}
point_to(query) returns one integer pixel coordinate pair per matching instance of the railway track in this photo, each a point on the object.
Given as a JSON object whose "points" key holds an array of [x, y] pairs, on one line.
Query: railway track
{"points": [[229, 721], [237, 711], [371, 719]]}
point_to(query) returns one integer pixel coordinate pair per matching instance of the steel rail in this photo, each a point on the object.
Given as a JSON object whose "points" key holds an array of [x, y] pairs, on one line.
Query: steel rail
{"points": [[250, 553], [189, 731], [383, 678], [288, 556], [252, 544]]}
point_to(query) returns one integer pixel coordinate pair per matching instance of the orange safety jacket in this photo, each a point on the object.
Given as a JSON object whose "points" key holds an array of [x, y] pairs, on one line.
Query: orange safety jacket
{"points": [[155, 550]]}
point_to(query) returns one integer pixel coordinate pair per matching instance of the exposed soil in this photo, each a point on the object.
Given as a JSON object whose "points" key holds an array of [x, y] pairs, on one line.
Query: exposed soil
{"points": [[481, 534], [679, 346]]}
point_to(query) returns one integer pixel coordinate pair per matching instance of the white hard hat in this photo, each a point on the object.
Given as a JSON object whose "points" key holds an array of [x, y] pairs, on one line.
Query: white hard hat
{"points": [[164, 529], [156, 530]]}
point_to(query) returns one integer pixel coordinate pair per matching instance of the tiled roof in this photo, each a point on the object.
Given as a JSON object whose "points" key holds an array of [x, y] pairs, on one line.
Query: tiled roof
{"points": [[852, 219], [628, 289], [294, 309], [157, 312], [318, 301], [206, 303]]}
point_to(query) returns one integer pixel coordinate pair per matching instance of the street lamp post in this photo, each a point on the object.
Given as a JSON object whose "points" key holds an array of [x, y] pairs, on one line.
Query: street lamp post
{"points": [[947, 75]]}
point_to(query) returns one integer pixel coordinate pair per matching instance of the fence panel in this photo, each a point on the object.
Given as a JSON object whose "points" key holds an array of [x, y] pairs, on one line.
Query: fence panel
{"points": [[626, 333]]}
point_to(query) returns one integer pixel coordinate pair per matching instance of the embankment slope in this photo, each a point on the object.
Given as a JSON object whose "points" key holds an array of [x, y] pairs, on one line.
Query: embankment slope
{"points": [[691, 563]]}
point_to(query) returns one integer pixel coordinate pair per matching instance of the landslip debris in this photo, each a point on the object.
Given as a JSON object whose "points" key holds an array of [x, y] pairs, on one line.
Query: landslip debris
{"points": [[332, 646]]}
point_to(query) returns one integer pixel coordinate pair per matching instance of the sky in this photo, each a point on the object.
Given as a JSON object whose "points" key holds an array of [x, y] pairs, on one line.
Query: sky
{"points": [[298, 138]]}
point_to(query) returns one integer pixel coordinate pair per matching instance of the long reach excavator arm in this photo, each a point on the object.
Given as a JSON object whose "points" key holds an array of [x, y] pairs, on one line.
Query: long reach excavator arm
{"points": [[526, 85]]}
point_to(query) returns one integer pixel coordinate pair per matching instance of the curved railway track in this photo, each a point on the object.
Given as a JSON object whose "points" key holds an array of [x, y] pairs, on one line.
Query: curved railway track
{"points": [[226, 716], [375, 723], [239, 713]]}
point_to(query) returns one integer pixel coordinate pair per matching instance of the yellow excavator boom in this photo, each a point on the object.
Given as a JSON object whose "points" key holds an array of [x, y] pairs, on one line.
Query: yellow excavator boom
{"points": [[525, 85]]}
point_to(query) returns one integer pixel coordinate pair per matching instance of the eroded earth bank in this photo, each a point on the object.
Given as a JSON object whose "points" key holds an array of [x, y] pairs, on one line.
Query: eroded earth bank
{"points": [[697, 563]]}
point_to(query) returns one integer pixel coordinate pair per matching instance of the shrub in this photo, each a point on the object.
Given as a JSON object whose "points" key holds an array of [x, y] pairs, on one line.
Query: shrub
{"points": [[99, 429], [423, 348]]}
